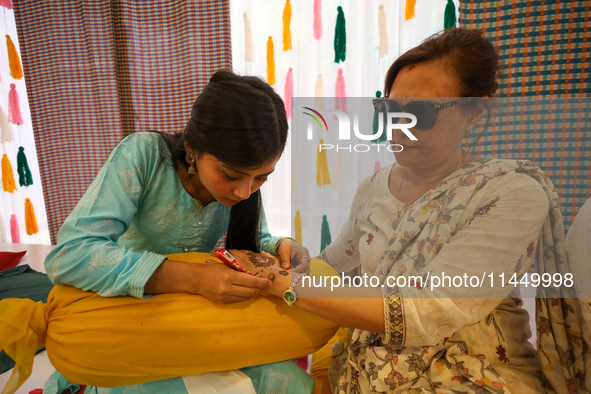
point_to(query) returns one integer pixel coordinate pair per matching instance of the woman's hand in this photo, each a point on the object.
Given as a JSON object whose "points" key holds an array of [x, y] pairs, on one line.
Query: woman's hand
{"points": [[294, 255], [266, 266]]}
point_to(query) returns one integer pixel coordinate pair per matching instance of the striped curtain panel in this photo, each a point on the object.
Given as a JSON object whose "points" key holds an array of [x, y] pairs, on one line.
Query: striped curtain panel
{"points": [[99, 70], [545, 51]]}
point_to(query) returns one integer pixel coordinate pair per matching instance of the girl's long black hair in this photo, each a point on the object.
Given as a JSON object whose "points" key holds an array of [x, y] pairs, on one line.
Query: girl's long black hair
{"points": [[241, 121]]}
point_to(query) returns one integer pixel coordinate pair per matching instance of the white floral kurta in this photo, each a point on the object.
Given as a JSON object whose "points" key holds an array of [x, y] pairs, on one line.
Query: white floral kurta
{"points": [[485, 218]]}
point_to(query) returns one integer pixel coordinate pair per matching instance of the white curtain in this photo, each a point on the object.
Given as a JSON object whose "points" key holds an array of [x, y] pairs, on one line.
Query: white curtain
{"points": [[364, 71], [14, 203]]}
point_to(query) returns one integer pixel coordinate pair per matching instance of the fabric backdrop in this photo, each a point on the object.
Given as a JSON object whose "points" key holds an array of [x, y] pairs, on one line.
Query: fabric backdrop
{"points": [[97, 71], [544, 47]]}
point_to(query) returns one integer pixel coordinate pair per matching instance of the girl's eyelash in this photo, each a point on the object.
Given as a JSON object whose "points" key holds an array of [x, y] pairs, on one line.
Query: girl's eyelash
{"points": [[228, 177]]}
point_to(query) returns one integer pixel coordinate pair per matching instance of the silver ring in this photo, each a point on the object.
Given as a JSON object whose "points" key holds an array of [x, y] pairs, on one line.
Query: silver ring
{"points": [[306, 257]]}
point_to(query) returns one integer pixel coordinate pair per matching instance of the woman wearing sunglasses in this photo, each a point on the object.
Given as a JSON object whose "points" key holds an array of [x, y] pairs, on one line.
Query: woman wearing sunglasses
{"points": [[441, 212]]}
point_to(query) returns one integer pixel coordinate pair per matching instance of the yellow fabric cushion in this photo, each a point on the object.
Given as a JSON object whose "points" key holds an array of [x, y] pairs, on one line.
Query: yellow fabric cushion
{"points": [[118, 341]]}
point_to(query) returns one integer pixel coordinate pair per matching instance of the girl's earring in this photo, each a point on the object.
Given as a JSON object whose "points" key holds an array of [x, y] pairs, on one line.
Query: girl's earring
{"points": [[191, 160]]}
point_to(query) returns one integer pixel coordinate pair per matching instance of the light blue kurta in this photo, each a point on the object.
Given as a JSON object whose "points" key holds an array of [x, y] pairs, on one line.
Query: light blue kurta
{"points": [[135, 211]]}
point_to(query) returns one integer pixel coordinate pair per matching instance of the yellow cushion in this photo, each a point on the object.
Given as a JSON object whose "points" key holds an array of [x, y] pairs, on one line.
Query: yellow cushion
{"points": [[118, 341]]}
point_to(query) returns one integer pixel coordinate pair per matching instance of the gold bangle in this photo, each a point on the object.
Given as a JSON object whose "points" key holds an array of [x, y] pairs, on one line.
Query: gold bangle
{"points": [[279, 243]]}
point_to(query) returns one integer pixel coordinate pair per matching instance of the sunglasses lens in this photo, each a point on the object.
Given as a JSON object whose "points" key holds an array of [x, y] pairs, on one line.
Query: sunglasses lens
{"points": [[388, 106], [425, 113]]}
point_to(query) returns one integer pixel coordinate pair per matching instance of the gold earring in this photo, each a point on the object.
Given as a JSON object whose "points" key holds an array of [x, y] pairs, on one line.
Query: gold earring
{"points": [[191, 160]]}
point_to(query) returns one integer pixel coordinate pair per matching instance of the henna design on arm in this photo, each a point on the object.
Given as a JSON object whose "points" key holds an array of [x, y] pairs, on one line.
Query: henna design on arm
{"points": [[259, 260], [283, 272], [271, 277]]}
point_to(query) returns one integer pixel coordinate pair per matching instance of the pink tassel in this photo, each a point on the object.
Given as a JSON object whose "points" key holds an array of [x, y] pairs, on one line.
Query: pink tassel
{"points": [[377, 167], [6, 4], [14, 231], [288, 92], [14, 108], [340, 93], [317, 19]]}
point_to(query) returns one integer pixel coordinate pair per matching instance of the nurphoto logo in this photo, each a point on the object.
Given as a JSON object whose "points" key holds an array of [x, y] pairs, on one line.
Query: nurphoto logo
{"points": [[344, 133]]}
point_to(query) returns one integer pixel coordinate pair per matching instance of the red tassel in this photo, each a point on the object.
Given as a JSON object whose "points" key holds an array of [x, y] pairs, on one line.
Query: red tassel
{"points": [[14, 231], [14, 108], [317, 19], [288, 92], [6, 4], [340, 93]]}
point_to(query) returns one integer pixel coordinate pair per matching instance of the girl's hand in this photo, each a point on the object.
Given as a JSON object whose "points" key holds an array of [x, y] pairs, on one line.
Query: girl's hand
{"points": [[294, 255], [224, 285]]}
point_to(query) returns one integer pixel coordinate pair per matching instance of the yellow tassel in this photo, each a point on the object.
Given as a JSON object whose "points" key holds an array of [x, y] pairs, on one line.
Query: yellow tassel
{"points": [[30, 219], [8, 183], [322, 176], [409, 11], [16, 70], [270, 62], [286, 29], [297, 222]]}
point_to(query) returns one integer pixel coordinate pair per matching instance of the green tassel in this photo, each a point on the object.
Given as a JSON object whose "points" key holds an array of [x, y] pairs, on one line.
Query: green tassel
{"points": [[24, 173], [449, 17], [340, 37], [376, 125], [325, 239]]}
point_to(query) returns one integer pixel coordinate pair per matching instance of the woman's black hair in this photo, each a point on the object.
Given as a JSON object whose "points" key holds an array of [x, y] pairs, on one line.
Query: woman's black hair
{"points": [[240, 121]]}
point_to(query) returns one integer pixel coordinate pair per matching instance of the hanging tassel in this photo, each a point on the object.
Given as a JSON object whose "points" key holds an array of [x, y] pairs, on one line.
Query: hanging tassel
{"points": [[6, 133], [270, 62], [6, 4], [319, 93], [294, 179], [16, 70], [325, 238], [449, 16], [8, 183], [377, 167], [30, 219], [317, 19], [248, 43], [340, 92], [376, 126], [288, 92], [14, 108], [22, 167], [340, 37], [409, 11], [322, 175], [14, 230], [383, 32], [286, 29], [3, 234], [297, 223], [338, 172]]}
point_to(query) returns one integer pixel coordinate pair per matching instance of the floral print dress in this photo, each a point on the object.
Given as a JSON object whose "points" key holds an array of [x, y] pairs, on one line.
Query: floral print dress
{"points": [[485, 224]]}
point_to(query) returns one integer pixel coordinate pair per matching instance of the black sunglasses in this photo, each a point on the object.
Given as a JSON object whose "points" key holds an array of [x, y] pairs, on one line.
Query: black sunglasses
{"points": [[426, 112]]}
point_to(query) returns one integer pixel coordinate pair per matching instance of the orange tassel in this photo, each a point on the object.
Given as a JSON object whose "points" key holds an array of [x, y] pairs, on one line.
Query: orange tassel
{"points": [[409, 11], [322, 174], [270, 62], [30, 219], [297, 222], [8, 183], [286, 30], [16, 70]]}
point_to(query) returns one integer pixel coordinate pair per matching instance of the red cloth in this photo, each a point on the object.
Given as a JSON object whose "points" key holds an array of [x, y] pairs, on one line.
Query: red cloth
{"points": [[10, 259], [36, 391]]}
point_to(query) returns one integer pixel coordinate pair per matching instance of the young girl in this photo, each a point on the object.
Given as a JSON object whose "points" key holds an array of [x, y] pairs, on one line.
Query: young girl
{"points": [[161, 194]]}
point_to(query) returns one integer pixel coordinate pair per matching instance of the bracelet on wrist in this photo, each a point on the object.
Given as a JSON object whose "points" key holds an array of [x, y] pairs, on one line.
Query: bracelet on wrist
{"points": [[279, 243]]}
